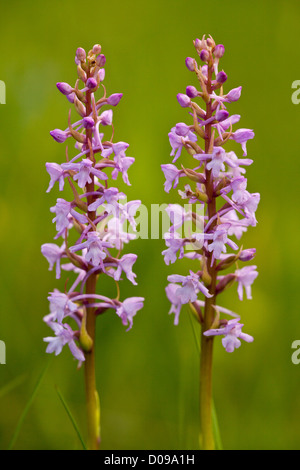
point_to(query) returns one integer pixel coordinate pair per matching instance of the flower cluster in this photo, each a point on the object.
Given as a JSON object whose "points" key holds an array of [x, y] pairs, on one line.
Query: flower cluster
{"points": [[96, 212], [227, 208]]}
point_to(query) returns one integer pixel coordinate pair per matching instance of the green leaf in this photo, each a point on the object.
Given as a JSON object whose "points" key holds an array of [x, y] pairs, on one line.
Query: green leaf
{"points": [[73, 421]]}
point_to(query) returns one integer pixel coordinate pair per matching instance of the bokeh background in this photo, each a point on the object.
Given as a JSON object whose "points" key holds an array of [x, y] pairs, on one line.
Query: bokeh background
{"points": [[148, 378]]}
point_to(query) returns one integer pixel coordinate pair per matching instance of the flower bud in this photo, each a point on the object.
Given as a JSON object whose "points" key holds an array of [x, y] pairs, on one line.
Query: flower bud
{"points": [[91, 83], [191, 91], [234, 94], [71, 97], [221, 77], [247, 255], [190, 64], [182, 129], [96, 49], [79, 106], [204, 55], [81, 54], [106, 118], [183, 100], [81, 73], [100, 75], [88, 122], [219, 51], [221, 115], [114, 99], [100, 60], [59, 135], [64, 88], [194, 176], [210, 42], [225, 282]]}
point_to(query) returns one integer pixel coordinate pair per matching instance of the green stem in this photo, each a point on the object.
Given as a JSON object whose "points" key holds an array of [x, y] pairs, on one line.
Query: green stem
{"points": [[92, 400], [206, 354]]}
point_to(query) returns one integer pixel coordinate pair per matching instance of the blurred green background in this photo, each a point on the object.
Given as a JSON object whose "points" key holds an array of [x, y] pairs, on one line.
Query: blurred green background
{"points": [[148, 378]]}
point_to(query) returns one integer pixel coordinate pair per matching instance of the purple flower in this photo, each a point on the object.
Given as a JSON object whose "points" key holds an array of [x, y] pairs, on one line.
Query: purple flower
{"points": [[63, 335], [172, 175], [53, 254], [122, 165], [127, 310], [217, 161], [237, 226], [250, 206], [191, 286], [231, 332], [63, 210], [95, 248], [56, 174], [177, 142], [174, 243], [241, 136], [174, 298], [125, 264], [220, 239], [115, 233], [110, 195], [239, 185], [61, 306], [245, 278], [106, 118], [85, 169]]}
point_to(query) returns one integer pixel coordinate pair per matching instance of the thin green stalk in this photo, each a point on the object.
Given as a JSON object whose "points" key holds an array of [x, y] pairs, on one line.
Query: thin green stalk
{"points": [[206, 355], [92, 399]]}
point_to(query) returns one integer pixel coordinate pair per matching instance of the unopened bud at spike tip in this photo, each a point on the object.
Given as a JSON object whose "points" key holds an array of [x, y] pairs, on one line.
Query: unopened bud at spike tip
{"points": [[221, 77], [219, 51], [81, 54], [96, 49], [204, 55], [100, 60]]}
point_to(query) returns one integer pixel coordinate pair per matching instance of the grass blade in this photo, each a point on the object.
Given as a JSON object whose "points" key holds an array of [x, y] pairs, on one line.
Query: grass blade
{"points": [[73, 421], [12, 385], [216, 429], [27, 407]]}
